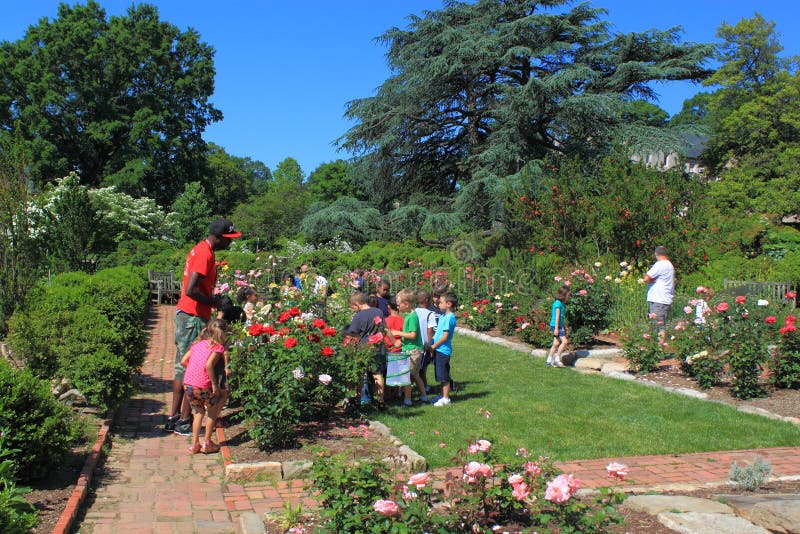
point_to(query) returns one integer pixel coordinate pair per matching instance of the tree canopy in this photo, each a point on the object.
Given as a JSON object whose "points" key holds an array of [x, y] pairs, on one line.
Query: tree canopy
{"points": [[120, 101], [484, 88]]}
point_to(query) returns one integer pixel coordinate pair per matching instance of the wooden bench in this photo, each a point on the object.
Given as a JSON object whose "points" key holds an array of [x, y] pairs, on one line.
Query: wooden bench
{"points": [[163, 287]]}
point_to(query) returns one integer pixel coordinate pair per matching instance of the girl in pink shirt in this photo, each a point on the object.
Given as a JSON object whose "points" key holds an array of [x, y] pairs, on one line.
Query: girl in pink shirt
{"points": [[200, 382]]}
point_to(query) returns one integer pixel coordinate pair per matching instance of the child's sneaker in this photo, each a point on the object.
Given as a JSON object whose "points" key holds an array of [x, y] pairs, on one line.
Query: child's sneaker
{"points": [[549, 363], [424, 398], [444, 401], [436, 399], [408, 403]]}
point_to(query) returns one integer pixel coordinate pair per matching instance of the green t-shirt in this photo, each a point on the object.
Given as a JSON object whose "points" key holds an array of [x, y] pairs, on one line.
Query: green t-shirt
{"points": [[411, 324]]}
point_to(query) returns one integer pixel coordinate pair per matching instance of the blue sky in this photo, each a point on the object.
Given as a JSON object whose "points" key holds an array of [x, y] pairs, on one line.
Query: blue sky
{"points": [[285, 70]]}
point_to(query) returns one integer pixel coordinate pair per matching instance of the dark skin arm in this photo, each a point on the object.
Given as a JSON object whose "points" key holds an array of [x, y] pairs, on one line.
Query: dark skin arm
{"points": [[193, 290]]}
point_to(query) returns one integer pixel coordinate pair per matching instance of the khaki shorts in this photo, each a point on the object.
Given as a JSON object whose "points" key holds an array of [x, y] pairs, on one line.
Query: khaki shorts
{"points": [[187, 330], [416, 360]]}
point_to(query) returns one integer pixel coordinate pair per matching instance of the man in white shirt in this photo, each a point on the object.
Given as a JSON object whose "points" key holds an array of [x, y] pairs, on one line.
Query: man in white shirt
{"points": [[661, 290]]}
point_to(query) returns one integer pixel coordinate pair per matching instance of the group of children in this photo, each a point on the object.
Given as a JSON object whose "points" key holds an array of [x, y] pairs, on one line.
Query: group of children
{"points": [[412, 323]]}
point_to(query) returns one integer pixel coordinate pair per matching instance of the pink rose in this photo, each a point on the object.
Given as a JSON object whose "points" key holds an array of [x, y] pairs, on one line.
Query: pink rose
{"points": [[582, 292], [722, 307], [474, 470], [532, 468], [408, 494], [420, 480], [516, 479], [377, 320], [687, 309], [616, 470], [325, 379], [521, 492], [480, 446], [386, 508]]}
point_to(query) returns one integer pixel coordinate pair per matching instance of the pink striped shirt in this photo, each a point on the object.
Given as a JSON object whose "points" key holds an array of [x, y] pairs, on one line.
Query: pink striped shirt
{"points": [[196, 373]]}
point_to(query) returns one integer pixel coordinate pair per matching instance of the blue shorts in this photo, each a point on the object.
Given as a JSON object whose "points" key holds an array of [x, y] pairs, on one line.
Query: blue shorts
{"points": [[441, 364], [561, 331]]}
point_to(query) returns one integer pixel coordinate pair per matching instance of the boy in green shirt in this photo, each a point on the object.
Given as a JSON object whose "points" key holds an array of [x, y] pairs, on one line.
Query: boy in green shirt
{"points": [[412, 341]]}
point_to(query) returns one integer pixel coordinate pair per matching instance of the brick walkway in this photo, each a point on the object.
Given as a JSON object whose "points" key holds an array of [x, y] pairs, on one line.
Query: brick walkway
{"points": [[151, 484]]}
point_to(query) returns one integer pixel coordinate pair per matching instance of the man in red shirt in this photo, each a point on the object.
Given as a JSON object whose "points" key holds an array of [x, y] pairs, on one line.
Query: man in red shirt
{"points": [[194, 311]]}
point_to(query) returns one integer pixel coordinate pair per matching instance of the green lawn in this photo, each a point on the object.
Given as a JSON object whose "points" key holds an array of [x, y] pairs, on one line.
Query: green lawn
{"points": [[566, 415]]}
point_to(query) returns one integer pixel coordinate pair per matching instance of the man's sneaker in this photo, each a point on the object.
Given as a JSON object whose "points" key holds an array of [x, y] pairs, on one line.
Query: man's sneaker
{"points": [[444, 401], [169, 426], [183, 428]]}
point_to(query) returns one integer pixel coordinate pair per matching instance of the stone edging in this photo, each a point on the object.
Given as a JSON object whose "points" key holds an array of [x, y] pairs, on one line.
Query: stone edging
{"points": [[619, 375], [244, 472], [67, 518]]}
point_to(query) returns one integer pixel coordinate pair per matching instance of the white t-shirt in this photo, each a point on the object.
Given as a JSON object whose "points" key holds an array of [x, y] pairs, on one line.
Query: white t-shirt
{"points": [[427, 318], [662, 289], [319, 282]]}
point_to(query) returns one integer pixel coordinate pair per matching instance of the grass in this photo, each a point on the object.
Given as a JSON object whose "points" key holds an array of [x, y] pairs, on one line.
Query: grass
{"points": [[566, 415]]}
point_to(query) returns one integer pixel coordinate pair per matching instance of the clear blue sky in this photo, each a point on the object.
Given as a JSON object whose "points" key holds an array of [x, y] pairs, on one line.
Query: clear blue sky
{"points": [[285, 70]]}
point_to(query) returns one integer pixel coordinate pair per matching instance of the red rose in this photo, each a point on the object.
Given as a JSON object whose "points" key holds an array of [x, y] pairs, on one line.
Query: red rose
{"points": [[283, 317], [790, 294], [771, 319], [329, 331], [289, 342], [254, 330], [740, 299], [375, 339], [791, 319], [268, 329], [294, 312], [327, 352], [319, 323], [313, 338], [284, 331], [426, 274]]}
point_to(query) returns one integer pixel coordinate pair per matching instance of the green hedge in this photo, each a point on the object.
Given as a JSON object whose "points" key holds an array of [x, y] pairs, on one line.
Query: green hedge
{"points": [[89, 329], [39, 430]]}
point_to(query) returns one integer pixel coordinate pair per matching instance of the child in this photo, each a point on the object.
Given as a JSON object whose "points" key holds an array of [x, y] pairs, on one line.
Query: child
{"points": [[558, 326], [366, 324], [411, 337], [394, 322], [442, 345], [704, 294], [427, 321], [247, 297], [200, 382]]}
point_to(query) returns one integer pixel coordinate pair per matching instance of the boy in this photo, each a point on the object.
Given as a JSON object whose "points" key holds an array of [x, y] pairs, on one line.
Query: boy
{"points": [[427, 319], [367, 322], [442, 345], [412, 342]]}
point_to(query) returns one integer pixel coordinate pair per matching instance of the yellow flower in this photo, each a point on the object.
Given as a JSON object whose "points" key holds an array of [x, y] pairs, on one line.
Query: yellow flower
{"points": [[474, 308], [508, 295], [225, 268], [273, 285]]}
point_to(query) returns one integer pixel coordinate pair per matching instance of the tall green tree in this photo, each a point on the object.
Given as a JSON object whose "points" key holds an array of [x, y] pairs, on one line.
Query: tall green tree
{"points": [[331, 181], [288, 171], [120, 101], [484, 88], [191, 214], [226, 183], [276, 213]]}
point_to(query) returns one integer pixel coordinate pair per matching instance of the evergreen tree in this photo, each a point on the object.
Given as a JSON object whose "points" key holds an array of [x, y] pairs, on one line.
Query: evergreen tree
{"points": [[191, 214]]}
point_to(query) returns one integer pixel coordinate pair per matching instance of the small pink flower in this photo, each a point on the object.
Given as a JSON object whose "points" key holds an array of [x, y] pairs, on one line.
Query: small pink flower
{"points": [[488, 414], [557, 278], [377, 320], [740, 299], [325, 379], [582, 292], [532, 468], [722, 307], [386, 508], [442, 445], [522, 452], [616, 470], [419, 480], [480, 446], [646, 336], [687, 309], [516, 479], [408, 494]]}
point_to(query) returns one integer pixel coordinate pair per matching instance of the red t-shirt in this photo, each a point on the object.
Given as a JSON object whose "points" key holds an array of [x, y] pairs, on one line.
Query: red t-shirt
{"points": [[201, 261], [394, 322]]}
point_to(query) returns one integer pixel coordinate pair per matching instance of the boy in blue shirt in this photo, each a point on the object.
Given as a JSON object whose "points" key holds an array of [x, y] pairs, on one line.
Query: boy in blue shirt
{"points": [[442, 345]]}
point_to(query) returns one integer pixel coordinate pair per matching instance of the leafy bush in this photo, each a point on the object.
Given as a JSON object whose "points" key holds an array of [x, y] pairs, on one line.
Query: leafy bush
{"points": [[43, 429], [588, 307], [642, 352], [291, 370], [480, 316], [705, 369], [365, 496], [786, 362], [16, 515], [104, 378]]}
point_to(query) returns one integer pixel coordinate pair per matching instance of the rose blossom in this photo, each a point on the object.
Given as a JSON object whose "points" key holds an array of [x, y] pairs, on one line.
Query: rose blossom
{"points": [[762, 302], [532, 468], [386, 508], [408, 494], [290, 342], [561, 488], [722, 307], [480, 446], [420, 480], [771, 319], [298, 373], [327, 351], [473, 470], [325, 379], [687, 309], [521, 492], [582, 292], [617, 470], [515, 479], [740, 299]]}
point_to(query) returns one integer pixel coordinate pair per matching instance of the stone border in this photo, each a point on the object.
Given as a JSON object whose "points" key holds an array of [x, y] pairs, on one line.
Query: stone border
{"points": [[81, 490], [613, 372], [299, 470]]}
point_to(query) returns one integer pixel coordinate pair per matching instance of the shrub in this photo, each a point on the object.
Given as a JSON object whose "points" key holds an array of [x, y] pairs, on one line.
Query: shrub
{"points": [[480, 316], [293, 370], [16, 515], [751, 476], [642, 352], [104, 378], [587, 312], [786, 362], [705, 369], [43, 429]]}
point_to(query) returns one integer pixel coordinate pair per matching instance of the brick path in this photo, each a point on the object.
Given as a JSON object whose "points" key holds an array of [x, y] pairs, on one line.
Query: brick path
{"points": [[151, 484]]}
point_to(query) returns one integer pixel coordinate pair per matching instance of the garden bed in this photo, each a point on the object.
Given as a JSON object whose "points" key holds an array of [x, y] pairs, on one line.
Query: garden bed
{"points": [[783, 402], [339, 434], [50, 495]]}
